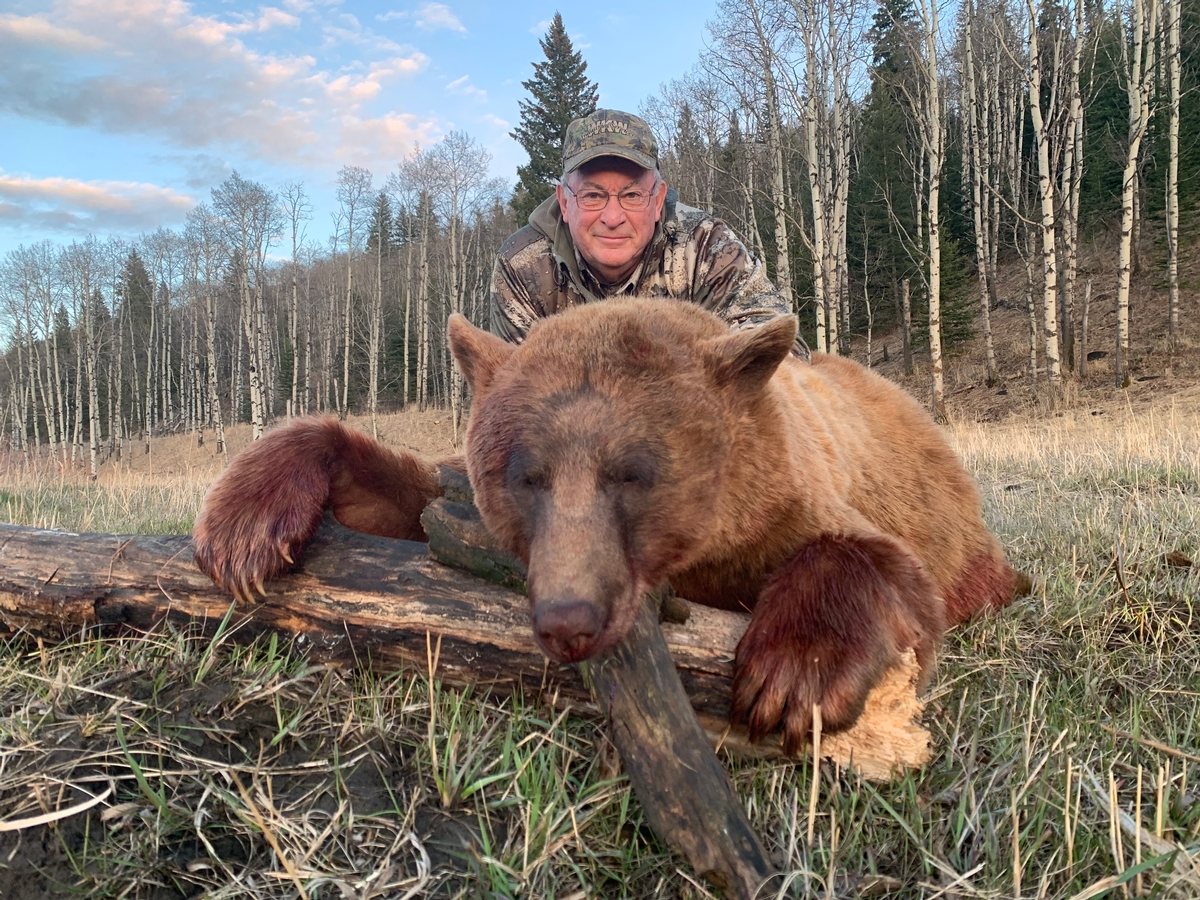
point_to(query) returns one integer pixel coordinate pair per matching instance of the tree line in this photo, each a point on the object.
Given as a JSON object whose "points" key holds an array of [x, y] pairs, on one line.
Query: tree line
{"points": [[886, 164], [237, 317]]}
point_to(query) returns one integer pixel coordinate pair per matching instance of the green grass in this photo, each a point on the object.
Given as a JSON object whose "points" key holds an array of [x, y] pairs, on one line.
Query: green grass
{"points": [[1065, 731]]}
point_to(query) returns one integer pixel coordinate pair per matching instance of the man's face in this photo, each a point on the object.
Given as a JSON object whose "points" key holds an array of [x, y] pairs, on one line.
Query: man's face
{"points": [[611, 239]]}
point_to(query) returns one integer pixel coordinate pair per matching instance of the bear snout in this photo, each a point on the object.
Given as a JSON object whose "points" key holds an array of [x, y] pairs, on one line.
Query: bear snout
{"points": [[568, 630]]}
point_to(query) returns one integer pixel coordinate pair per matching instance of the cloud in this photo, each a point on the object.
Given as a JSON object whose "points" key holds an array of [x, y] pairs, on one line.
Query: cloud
{"points": [[203, 170], [427, 17], [541, 27], [270, 16], [388, 137], [497, 121], [437, 16], [463, 86], [88, 206], [35, 30], [158, 68]]}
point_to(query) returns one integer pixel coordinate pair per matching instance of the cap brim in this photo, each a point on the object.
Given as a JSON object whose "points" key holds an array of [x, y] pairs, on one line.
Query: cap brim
{"points": [[642, 159]]}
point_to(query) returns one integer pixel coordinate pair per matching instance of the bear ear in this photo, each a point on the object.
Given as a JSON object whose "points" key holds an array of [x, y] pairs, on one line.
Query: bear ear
{"points": [[478, 353], [748, 357]]}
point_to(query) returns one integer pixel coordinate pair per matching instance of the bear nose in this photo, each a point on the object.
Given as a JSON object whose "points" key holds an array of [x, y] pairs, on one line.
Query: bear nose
{"points": [[568, 629]]}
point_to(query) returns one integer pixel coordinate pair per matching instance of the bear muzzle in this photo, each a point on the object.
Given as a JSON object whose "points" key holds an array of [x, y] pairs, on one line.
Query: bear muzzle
{"points": [[569, 630]]}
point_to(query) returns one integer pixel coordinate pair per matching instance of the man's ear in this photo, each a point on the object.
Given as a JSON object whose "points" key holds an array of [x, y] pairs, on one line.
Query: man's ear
{"points": [[478, 354], [747, 358]]}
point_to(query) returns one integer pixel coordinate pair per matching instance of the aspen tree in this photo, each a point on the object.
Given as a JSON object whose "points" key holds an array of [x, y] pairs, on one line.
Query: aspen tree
{"points": [[1139, 71], [1172, 206], [978, 189], [297, 210], [1041, 137], [353, 188], [930, 128], [746, 35]]}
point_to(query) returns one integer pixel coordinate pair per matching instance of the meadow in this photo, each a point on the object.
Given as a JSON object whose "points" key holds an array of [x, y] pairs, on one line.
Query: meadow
{"points": [[1066, 729]]}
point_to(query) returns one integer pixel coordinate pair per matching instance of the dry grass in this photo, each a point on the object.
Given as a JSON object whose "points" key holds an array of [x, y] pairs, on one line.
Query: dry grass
{"points": [[1065, 729]]}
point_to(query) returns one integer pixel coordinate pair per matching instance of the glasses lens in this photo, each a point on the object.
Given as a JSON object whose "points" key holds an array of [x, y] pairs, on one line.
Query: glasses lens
{"points": [[634, 199], [592, 200]]}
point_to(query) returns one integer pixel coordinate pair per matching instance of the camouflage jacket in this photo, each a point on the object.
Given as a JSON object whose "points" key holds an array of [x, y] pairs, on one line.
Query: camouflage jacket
{"points": [[692, 256]]}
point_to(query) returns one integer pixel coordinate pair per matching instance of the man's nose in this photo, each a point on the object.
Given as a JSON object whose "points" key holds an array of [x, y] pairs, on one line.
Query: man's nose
{"points": [[614, 212]]}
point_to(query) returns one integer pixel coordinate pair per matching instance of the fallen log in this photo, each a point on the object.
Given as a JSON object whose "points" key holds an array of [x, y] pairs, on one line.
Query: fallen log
{"points": [[358, 597], [355, 596]]}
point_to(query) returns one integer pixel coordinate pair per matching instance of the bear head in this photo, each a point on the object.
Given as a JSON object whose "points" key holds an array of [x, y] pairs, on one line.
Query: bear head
{"points": [[600, 447]]}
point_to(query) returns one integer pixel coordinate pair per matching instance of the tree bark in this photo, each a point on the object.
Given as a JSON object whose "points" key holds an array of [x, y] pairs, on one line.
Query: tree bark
{"points": [[1041, 137], [1138, 85], [1173, 51], [977, 179], [682, 786]]}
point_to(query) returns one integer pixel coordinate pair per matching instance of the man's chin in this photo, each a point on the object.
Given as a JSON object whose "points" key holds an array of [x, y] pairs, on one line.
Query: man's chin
{"points": [[612, 267]]}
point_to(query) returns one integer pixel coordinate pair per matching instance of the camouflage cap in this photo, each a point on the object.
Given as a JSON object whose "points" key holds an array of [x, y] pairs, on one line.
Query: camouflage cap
{"points": [[609, 132]]}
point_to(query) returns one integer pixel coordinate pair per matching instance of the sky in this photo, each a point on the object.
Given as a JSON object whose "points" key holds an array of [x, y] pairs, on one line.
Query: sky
{"points": [[117, 116]]}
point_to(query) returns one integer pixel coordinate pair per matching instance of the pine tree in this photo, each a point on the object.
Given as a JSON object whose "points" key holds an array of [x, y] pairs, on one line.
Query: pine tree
{"points": [[884, 227], [382, 222], [560, 92]]}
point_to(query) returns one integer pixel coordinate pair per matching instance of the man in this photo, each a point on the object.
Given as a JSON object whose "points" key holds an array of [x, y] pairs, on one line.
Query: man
{"points": [[613, 228]]}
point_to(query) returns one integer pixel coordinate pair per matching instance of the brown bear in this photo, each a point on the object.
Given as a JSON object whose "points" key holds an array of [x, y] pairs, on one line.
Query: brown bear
{"points": [[635, 443]]}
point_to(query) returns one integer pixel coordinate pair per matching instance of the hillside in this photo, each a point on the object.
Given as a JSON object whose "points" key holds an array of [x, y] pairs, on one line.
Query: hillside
{"points": [[1157, 376]]}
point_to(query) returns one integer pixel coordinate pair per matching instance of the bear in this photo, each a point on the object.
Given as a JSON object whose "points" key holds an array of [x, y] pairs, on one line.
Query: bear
{"points": [[639, 443]]}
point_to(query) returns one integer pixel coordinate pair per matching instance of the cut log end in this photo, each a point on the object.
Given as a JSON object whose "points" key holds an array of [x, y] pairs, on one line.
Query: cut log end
{"points": [[887, 739]]}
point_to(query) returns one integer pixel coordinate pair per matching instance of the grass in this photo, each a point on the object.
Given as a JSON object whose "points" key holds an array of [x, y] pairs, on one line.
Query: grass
{"points": [[1066, 765]]}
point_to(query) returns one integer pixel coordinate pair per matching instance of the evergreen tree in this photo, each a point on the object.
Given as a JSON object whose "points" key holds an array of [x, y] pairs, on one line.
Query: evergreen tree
{"points": [[136, 300], [884, 208], [560, 92], [382, 222]]}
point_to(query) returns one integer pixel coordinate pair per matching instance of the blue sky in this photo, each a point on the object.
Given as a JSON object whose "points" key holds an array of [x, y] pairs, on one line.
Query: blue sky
{"points": [[116, 116]]}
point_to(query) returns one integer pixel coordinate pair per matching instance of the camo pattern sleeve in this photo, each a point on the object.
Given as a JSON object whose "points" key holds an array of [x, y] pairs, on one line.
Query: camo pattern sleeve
{"points": [[524, 287]]}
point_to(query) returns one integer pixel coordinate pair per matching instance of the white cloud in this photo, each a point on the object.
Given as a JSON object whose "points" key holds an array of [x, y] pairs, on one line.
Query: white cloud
{"points": [[463, 86], [35, 30], [160, 69], [271, 16], [541, 27], [437, 16], [72, 205], [497, 121], [202, 170]]}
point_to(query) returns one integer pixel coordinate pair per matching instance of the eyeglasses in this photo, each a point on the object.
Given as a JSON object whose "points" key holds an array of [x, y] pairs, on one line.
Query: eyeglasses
{"points": [[594, 199]]}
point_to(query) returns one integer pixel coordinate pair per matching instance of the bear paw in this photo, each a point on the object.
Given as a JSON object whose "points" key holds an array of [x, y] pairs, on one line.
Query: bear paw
{"points": [[258, 516], [827, 625]]}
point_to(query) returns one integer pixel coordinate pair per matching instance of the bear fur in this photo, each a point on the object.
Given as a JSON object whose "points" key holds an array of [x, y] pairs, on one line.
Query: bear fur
{"points": [[635, 443]]}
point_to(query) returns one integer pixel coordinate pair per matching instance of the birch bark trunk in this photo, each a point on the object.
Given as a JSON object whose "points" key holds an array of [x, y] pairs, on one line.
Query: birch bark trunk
{"points": [[977, 194], [1138, 82], [1041, 136], [1173, 53]]}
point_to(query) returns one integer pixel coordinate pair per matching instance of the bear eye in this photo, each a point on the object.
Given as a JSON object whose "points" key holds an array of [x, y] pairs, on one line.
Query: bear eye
{"points": [[524, 474], [635, 473], [532, 481]]}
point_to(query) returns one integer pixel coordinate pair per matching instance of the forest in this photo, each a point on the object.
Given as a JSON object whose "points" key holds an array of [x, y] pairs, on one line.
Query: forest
{"points": [[887, 161]]}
